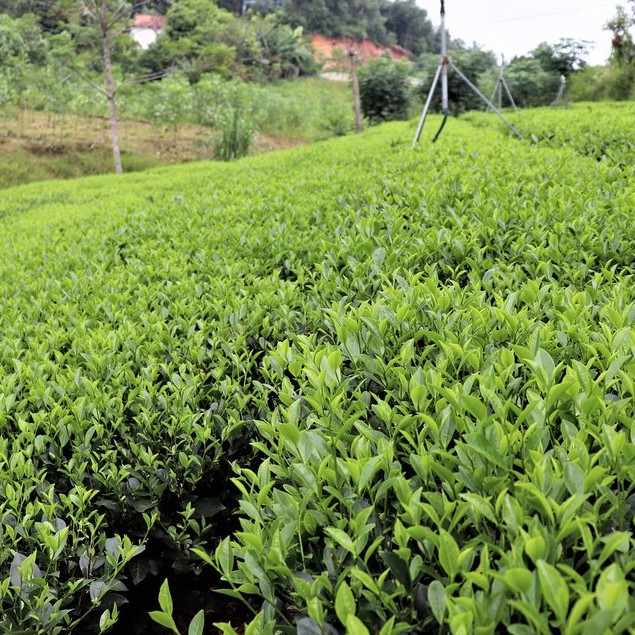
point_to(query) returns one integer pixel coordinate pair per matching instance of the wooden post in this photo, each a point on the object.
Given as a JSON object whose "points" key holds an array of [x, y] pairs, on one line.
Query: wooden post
{"points": [[358, 107]]}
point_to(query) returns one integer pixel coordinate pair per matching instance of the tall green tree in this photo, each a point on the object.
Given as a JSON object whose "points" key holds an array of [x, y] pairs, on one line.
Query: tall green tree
{"points": [[410, 25], [158, 7], [619, 80], [106, 20], [530, 82], [50, 14], [201, 37], [281, 49], [15, 62], [351, 18], [620, 26], [562, 58], [384, 90], [22, 37], [235, 6]]}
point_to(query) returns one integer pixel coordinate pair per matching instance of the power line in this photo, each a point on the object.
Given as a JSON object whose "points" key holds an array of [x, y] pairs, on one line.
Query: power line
{"points": [[544, 15]]}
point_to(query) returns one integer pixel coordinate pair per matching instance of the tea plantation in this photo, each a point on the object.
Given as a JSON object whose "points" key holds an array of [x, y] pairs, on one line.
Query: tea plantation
{"points": [[362, 388]]}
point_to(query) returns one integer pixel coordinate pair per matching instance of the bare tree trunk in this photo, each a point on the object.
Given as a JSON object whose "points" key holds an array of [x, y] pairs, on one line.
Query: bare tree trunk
{"points": [[356, 98], [110, 93]]}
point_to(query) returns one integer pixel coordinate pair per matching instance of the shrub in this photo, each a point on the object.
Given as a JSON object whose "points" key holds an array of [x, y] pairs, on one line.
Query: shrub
{"points": [[385, 91], [589, 84], [338, 119]]}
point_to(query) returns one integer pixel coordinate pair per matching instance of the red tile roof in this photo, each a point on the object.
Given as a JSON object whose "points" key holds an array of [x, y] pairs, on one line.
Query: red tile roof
{"points": [[144, 21]]}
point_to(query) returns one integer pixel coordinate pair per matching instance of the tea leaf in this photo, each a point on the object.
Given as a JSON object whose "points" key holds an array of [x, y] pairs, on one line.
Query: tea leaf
{"points": [[555, 590], [165, 598], [197, 625], [344, 603], [437, 600]]}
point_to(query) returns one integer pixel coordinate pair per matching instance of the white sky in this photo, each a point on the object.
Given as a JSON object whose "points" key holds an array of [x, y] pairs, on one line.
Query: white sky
{"points": [[514, 27]]}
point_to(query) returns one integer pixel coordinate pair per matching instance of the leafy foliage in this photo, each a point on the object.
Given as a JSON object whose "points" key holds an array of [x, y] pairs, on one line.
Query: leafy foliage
{"points": [[563, 58], [390, 394], [385, 91], [474, 63], [200, 37], [282, 50], [351, 18], [620, 26], [596, 133], [410, 24], [430, 459], [236, 135], [530, 83], [533, 79]]}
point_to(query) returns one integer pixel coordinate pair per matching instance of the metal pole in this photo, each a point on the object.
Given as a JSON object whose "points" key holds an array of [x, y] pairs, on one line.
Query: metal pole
{"points": [[480, 94], [445, 100], [493, 97], [442, 71], [509, 94], [501, 81], [499, 86], [427, 106]]}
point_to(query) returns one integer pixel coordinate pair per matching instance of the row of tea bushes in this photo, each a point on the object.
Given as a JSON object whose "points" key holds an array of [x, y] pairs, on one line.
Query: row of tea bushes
{"points": [[600, 131], [453, 447], [379, 390]]}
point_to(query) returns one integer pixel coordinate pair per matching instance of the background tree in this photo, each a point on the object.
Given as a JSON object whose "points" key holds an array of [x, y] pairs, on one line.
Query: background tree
{"points": [[564, 58], [385, 91], [623, 51], [409, 24], [106, 20], [235, 6], [474, 63], [201, 37], [618, 81], [50, 14], [282, 50], [23, 49], [534, 79], [22, 38], [530, 83], [353, 18], [158, 7]]}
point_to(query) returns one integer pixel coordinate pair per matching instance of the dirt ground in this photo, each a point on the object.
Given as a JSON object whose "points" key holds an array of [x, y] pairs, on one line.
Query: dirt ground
{"points": [[36, 146]]}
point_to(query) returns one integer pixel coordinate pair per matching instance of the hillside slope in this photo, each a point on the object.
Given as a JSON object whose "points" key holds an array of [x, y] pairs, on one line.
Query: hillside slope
{"points": [[381, 390]]}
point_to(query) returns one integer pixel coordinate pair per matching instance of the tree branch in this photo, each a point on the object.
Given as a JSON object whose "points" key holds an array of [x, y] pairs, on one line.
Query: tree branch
{"points": [[89, 81], [142, 79]]}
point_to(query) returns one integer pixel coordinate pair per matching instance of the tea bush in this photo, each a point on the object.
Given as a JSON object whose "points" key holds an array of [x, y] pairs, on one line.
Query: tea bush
{"points": [[378, 390], [601, 133], [384, 90]]}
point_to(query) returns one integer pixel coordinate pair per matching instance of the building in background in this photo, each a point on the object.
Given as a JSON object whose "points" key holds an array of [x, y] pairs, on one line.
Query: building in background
{"points": [[146, 29]]}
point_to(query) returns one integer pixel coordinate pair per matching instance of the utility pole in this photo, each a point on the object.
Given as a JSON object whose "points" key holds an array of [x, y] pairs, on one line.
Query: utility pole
{"points": [[358, 106]]}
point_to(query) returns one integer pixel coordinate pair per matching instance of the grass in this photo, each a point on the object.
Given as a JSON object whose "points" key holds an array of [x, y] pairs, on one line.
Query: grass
{"points": [[37, 146], [320, 106]]}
